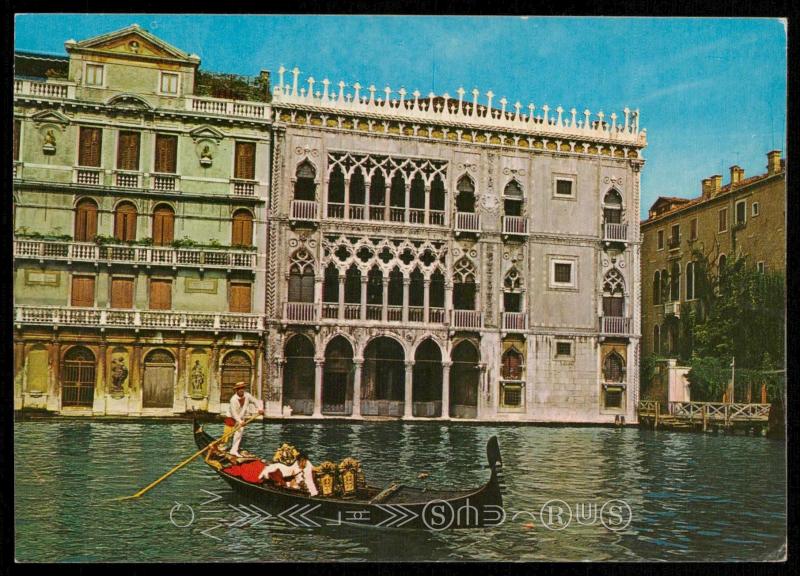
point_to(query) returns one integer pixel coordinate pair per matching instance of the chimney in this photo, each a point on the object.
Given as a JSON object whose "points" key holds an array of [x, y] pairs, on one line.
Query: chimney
{"points": [[773, 162], [706, 187], [716, 184], [737, 175]]}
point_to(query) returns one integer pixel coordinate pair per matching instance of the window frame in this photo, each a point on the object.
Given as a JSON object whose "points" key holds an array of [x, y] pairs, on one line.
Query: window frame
{"points": [[755, 209], [164, 74], [118, 160], [572, 179], [736, 220], [573, 283], [121, 277], [693, 229], [559, 356], [101, 67], [659, 239], [156, 138], [720, 229]]}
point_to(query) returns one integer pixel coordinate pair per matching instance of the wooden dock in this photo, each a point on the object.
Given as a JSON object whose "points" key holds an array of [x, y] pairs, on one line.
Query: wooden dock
{"points": [[704, 416]]}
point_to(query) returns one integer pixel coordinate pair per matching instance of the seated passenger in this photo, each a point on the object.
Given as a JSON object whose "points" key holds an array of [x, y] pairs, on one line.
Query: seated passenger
{"points": [[303, 472]]}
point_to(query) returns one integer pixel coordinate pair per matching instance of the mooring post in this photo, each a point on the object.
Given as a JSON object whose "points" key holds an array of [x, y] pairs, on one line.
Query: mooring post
{"points": [[655, 420], [705, 418]]}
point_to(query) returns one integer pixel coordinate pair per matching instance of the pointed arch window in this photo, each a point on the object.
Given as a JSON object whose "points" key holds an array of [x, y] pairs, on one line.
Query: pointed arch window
{"points": [[512, 291], [465, 197], [612, 207], [512, 199], [357, 188], [436, 290], [512, 364], [614, 294], [304, 186], [464, 285], [613, 368], [301, 277], [330, 284]]}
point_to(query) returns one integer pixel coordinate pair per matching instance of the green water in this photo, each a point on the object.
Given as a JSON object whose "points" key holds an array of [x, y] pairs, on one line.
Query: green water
{"points": [[691, 496]]}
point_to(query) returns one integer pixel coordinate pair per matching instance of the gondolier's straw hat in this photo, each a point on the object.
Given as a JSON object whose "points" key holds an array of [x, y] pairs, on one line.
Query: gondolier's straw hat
{"points": [[239, 385]]}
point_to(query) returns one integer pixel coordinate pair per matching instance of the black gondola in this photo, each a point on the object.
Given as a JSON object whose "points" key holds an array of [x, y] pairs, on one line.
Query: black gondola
{"points": [[396, 506]]}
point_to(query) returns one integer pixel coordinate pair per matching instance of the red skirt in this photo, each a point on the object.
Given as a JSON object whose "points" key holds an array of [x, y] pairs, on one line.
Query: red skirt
{"points": [[249, 471], [230, 422]]}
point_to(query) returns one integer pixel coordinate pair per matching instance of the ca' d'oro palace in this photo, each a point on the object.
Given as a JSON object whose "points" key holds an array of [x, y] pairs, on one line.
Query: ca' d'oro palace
{"points": [[348, 251]]}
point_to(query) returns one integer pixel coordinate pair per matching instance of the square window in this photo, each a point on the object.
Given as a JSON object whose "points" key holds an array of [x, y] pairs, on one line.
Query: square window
{"points": [[564, 187], [94, 74], [563, 348], [169, 83], [723, 220], [660, 239], [563, 273], [613, 397], [755, 209], [512, 395]]}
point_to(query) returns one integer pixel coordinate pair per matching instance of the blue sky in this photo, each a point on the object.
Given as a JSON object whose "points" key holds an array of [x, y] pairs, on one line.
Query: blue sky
{"points": [[712, 92]]}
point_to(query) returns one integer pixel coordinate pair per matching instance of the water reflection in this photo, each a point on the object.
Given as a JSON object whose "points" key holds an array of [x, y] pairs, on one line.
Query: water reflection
{"points": [[693, 497]]}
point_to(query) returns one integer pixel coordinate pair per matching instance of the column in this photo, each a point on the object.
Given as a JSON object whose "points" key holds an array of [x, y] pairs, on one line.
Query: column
{"points": [[319, 367], [182, 390], [341, 297], [409, 390], [485, 393], [135, 380], [406, 286], [318, 280], [385, 311], [408, 203], [386, 203], [448, 302], [213, 385], [347, 198], [427, 204], [446, 389], [99, 404], [426, 299], [358, 363], [53, 392], [364, 297]]}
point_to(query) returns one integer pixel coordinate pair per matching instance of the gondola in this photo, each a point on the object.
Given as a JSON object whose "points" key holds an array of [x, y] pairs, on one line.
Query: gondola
{"points": [[394, 507]]}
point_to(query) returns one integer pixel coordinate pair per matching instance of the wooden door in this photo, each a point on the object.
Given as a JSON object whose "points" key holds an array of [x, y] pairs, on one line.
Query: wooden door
{"points": [[242, 228], [90, 146], [160, 294], [163, 225], [159, 380], [85, 221], [82, 291], [240, 297], [125, 222], [122, 292]]}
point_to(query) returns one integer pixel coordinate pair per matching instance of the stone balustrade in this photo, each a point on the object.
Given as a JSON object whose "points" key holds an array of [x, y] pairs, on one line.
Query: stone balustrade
{"points": [[415, 108], [155, 319], [515, 225], [615, 232], [54, 90], [515, 321], [224, 107], [615, 325]]}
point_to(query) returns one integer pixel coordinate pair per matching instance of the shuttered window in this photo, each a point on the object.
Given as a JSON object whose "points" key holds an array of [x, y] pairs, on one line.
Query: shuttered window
{"points": [[163, 225], [85, 221], [166, 154], [242, 228], [245, 164], [17, 126], [122, 292], [301, 285], [90, 147], [128, 151], [240, 297], [613, 306], [160, 294], [125, 222], [82, 291]]}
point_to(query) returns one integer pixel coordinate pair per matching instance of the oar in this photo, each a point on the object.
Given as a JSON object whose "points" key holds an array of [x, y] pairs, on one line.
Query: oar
{"points": [[185, 462]]}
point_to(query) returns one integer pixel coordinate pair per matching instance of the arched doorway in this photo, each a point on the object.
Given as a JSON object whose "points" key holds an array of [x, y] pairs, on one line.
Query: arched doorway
{"points": [[298, 375], [427, 381], [86, 220], [78, 377], [337, 378], [464, 378], [236, 367], [383, 380], [158, 384]]}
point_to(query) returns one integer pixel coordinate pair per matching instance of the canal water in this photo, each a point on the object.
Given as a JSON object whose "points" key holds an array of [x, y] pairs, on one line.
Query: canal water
{"points": [[690, 496]]}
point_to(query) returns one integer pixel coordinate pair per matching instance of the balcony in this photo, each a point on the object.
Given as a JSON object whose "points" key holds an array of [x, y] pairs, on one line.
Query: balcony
{"points": [[243, 187], [673, 308], [613, 232], [224, 107], [373, 313], [515, 321], [42, 250], [467, 319], [51, 90], [304, 210], [378, 213], [136, 319], [300, 312], [468, 222], [515, 226], [165, 182], [123, 179], [88, 176], [674, 242], [615, 325]]}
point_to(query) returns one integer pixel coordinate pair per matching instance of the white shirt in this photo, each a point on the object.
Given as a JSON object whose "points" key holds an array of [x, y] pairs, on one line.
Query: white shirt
{"points": [[238, 411], [305, 476]]}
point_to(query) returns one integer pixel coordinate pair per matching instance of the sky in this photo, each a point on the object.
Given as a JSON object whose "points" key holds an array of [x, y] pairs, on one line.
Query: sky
{"points": [[711, 91]]}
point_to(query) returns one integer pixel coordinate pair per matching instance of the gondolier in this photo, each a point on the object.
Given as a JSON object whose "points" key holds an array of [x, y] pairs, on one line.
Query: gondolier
{"points": [[238, 409]]}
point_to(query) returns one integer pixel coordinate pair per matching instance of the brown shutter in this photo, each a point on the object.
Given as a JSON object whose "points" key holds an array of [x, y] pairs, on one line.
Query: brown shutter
{"points": [[83, 291], [122, 292], [128, 151], [85, 221], [240, 297], [242, 233], [89, 149], [17, 125], [166, 154], [125, 222], [160, 294], [245, 165], [163, 226]]}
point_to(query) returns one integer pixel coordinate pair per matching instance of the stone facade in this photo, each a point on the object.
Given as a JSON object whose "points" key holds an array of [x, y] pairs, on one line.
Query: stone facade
{"points": [[139, 255], [746, 217], [432, 258]]}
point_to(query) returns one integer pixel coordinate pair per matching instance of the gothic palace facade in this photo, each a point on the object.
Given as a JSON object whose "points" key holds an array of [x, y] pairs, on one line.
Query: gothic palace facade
{"points": [[351, 252]]}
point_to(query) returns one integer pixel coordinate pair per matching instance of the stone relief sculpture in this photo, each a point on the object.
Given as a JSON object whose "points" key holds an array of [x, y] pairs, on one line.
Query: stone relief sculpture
{"points": [[197, 378], [119, 373]]}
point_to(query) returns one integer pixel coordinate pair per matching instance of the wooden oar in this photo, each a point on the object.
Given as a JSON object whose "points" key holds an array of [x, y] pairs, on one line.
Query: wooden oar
{"points": [[185, 462]]}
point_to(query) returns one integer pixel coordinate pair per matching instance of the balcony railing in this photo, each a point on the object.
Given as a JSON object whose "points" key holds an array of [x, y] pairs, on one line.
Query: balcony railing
{"points": [[467, 319], [374, 312], [243, 187], [60, 91], [377, 213], [673, 308], [299, 312], [304, 210], [615, 232], [515, 321], [352, 311], [436, 217], [416, 216], [394, 313], [335, 210], [673, 242], [436, 316], [160, 319], [615, 325], [416, 314], [517, 225], [165, 182], [127, 179], [329, 310], [124, 254], [468, 222], [356, 211], [88, 176], [222, 107], [397, 214]]}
